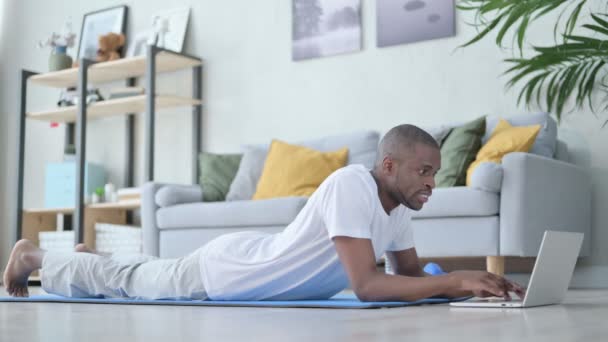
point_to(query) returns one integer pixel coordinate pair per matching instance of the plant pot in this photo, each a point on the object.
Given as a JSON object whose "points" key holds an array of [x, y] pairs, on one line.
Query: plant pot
{"points": [[59, 60]]}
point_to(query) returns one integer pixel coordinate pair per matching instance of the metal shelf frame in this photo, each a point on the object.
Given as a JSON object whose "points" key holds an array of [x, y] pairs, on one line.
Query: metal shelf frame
{"points": [[81, 123]]}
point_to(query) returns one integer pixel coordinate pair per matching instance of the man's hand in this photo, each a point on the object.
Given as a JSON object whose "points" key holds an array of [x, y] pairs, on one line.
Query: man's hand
{"points": [[485, 284]]}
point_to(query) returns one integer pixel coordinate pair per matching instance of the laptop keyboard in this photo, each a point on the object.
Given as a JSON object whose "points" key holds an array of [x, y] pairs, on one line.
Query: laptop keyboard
{"points": [[498, 300]]}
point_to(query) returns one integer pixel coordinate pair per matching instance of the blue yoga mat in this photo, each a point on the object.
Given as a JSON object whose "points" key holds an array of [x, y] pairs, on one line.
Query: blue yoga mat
{"points": [[339, 301]]}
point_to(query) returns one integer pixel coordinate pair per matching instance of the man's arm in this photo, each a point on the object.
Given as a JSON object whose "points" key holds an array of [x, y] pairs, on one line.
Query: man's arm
{"points": [[357, 257], [406, 263]]}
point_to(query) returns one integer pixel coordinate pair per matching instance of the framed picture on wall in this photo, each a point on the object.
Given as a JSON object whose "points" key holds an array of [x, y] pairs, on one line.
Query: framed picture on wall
{"points": [[401, 22], [97, 23], [325, 27]]}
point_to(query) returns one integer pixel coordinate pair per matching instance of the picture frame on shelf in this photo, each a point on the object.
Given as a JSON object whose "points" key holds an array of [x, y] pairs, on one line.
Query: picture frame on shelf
{"points": [[169, 28], [137, 46], [97, 23]]}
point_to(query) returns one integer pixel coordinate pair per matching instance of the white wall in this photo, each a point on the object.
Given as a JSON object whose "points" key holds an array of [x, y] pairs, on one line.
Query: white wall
{"points": [[253, 92]]}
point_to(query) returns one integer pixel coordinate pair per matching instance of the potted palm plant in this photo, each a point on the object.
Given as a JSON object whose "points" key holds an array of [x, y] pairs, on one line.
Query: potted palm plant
{"points": [[568, 72]]}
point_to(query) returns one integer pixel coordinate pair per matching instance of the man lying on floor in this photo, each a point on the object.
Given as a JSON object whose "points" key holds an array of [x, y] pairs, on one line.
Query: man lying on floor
{"points": [[352, 219]]}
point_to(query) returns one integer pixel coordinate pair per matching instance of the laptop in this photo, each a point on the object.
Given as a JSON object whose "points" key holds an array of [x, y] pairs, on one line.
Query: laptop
{"points": [[550, 277]]}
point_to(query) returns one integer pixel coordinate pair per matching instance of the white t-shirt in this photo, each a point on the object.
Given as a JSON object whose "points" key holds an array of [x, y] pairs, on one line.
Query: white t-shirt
{"points": [[301, 262]]}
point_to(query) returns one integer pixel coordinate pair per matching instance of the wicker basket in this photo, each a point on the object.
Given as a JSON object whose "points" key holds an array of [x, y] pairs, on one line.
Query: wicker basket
{"points": [[57, 241], [115, 238]]}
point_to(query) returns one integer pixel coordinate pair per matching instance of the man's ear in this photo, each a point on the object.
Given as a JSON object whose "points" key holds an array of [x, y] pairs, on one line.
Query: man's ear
{"points": [[388, 165]]}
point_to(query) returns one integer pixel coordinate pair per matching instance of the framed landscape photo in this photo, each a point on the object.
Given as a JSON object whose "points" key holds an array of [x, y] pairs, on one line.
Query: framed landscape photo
{"points": [[325, 27], [95, 24]]}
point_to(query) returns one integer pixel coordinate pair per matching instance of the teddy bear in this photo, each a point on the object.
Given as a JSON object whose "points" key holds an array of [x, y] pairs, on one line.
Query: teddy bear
{"points": [[109, 46]]}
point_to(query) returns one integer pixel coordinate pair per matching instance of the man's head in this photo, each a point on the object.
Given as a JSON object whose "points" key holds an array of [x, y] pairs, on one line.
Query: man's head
{"points": [[407, 161]]}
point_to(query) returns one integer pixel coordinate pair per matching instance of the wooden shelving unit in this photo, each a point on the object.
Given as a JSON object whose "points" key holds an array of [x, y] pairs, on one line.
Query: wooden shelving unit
{"points": [[127, 204], [121, 106], [120, 69], [157, 60]]}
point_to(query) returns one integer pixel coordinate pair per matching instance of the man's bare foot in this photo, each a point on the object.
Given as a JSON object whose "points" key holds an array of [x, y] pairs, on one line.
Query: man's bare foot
{"points": [[25, 258], [82, 248]]}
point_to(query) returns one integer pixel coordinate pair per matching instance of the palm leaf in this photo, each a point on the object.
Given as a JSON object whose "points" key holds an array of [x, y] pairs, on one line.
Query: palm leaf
{"points": [[555, 76], [504, 15], [560, 73]]}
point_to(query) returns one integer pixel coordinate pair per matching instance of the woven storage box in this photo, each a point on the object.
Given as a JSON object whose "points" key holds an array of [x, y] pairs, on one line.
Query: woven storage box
{"points": [[57, 241], [113, 238]]}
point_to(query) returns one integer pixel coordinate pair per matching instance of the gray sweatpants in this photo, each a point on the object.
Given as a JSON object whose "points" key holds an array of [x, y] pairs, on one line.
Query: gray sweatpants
{"points": [[133, 276]]}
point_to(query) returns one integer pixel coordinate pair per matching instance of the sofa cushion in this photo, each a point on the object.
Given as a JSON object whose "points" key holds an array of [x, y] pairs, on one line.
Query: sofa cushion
{"points": [[361, 150], [459, 201], [270, 212], [292, 170], [457, 236], [458, 151], [546, 140], [217, 173]]}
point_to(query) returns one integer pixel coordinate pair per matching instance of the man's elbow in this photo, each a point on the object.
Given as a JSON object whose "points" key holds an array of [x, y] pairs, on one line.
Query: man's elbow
{"points": [[365, 292], [364, 296]]}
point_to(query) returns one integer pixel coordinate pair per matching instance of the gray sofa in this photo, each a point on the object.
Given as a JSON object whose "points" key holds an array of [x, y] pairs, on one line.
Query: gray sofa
{"points": [[535, 193]]}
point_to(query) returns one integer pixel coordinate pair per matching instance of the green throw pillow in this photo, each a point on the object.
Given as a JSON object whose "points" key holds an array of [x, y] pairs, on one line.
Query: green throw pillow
{"points": [[217, 173], [458, 151]]}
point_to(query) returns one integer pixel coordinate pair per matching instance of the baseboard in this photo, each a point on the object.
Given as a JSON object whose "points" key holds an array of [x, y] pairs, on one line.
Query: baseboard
{"points": [[590, 277], [585, 277]]}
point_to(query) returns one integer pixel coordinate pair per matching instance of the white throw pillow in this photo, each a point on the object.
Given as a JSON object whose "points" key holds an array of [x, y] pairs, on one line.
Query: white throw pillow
{"points": [[249, 172], [438, 132]]}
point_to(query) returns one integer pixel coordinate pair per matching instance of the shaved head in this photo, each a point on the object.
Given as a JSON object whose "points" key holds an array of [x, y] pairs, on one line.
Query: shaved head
{"points": [[408, 160], [401, 140]]}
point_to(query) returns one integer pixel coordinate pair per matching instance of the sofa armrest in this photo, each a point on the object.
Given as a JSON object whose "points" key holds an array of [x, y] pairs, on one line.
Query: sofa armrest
{"points": [[539, 194], [173, 194], [149, 225], [159, 195]]}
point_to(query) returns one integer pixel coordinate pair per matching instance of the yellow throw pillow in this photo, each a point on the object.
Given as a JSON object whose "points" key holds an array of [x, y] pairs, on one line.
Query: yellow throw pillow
{"points": [[292, 170], [504, 139]]}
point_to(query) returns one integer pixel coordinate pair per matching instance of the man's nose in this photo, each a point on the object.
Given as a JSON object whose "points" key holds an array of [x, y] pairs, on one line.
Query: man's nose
{"points": [[430, 183]]}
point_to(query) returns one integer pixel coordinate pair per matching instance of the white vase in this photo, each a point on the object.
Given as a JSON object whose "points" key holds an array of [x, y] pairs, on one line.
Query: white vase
{"points": [[95, 198]]}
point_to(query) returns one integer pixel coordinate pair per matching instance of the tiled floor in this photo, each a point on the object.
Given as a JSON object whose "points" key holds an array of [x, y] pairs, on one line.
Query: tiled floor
{"points": [[582, 317]]}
